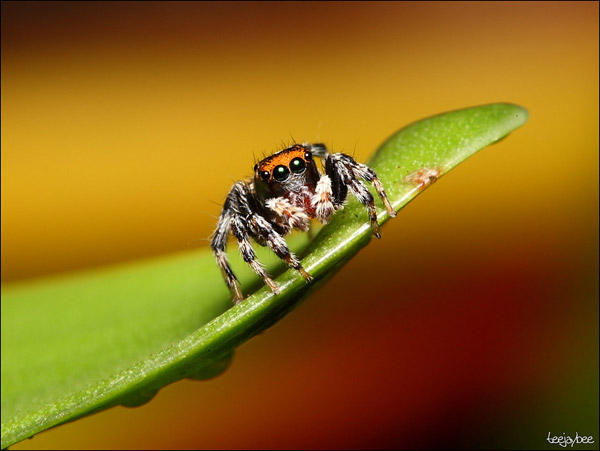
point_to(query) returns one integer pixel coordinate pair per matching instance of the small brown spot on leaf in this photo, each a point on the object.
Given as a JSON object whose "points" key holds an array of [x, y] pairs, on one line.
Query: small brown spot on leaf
{"points": [[424, 177]]}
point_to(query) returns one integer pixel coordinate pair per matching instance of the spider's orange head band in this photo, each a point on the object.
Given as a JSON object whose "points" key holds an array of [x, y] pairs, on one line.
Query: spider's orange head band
{"points": [[279, 166]]}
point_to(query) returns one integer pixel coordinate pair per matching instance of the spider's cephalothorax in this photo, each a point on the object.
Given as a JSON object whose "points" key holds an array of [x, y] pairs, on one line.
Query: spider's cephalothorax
{"points": [[287, 191]]}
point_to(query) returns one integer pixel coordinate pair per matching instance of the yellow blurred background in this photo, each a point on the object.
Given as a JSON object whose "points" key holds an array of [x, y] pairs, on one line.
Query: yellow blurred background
{"points": [[472, 323]]}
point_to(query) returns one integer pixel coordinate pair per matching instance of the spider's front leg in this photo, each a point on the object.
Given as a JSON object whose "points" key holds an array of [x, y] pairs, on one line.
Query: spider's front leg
{"points": [[342, 173], [231, 221], [239, 218], [263, 231]]}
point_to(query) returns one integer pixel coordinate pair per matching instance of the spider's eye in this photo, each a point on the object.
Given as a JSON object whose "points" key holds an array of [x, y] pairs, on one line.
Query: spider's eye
{"points": [[308, 156], [280, 173], [265, 175], [297, 165]]}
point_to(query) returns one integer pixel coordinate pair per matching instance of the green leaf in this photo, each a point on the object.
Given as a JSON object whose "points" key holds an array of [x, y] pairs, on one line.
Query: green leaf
{"points": [[77, 344]]}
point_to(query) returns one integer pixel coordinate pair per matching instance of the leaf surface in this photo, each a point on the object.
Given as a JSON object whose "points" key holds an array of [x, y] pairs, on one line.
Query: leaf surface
{"points": [[77, 344]]}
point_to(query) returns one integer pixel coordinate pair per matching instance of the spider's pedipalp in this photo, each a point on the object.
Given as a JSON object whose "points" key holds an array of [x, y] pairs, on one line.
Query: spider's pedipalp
{"points": [[293, 216], [323, 199]]}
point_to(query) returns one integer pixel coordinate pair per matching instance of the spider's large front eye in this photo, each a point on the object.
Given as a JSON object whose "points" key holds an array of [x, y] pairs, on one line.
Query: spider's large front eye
{"points": [[297, 165], [280, 173]]}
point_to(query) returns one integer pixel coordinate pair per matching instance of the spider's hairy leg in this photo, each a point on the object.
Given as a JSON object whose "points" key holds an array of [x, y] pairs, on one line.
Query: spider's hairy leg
{"points": [[366, 198], [240, 217], [232, 220], [360, 170], [344, 170], [263, 231], [219, 246], [240, 232], [317, 149], [365, 172]]}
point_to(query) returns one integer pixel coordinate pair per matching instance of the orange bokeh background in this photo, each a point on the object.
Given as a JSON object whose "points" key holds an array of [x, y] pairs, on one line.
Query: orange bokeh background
{"points": [[473, 323]]}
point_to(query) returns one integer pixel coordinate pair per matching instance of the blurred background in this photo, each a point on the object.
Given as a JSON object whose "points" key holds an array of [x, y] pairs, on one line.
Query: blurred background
{"points": [[472, 324]]}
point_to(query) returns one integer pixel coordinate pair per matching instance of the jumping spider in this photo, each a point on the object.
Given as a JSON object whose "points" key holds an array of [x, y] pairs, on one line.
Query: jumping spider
{"points": [[286, 192]]}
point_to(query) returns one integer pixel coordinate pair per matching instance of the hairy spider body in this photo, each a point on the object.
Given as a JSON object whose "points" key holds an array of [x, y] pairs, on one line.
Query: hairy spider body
{"points": [[287, 191]]}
